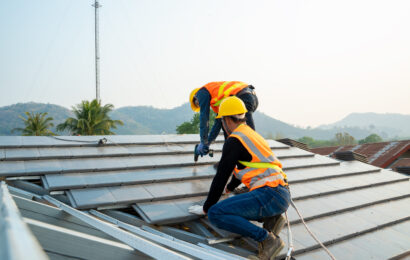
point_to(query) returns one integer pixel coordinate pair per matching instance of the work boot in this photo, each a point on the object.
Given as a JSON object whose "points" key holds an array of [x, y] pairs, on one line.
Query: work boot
{"points": [[274, 224], [270, 247]]}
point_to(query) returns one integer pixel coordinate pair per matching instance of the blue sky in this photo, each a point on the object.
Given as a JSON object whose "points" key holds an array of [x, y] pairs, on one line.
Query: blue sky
{"points": [[312, 62]]}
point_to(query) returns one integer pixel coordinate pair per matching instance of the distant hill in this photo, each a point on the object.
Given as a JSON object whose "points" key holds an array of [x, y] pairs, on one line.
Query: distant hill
{"points": [[387, 125], [9, 115], [150, 120], [268, 126], [137, 120]]}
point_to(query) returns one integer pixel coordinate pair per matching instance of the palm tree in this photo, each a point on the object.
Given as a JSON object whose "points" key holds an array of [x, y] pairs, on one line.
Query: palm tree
{"points": [[90, 119], [36, 124]]}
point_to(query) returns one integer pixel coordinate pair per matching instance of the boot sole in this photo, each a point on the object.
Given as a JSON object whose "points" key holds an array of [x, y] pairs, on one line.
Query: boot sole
{"points": [[277, 251]]}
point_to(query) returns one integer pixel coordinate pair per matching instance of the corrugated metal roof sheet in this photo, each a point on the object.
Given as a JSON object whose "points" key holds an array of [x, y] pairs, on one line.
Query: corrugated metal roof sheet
{"points": [[154, 180], [17, 241], [378, 154], [404, 162]]}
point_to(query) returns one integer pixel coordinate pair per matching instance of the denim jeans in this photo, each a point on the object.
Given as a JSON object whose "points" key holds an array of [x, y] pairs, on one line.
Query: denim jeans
{"points": [[234, 213]]}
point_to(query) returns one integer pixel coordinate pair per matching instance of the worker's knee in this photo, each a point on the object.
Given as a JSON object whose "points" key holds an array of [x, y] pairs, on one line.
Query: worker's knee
{"points": [[214, 214]]}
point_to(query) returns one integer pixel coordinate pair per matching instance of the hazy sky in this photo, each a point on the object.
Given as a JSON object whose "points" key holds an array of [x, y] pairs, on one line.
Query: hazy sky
{"points": [[312, 62]]}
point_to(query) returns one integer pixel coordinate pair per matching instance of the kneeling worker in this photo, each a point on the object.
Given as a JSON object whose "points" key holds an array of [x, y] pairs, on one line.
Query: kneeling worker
{"points": [[247, 154]]}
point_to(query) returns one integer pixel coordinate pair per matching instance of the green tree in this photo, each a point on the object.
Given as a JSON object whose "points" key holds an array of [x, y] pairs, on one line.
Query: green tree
{"points": [[189, 127], [313, 143], [90, 119], [192, 127], [307, 140], [373, 138], [344, 139], [36, 124]]}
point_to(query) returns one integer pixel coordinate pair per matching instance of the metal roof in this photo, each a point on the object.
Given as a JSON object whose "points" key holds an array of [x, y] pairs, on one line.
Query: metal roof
{"points": [[17, 241], [381, 154], [128, 198]]}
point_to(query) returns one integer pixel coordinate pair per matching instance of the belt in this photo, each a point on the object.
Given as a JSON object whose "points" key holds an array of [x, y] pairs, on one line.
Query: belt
{"points": [[248, 90]]}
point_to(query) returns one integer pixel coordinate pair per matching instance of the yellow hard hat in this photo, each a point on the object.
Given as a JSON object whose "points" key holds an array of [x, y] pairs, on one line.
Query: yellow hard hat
{"points": [[194, 107], [231, 106]]}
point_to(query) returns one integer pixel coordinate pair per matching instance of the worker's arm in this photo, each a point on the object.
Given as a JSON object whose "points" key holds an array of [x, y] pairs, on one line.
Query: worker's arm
{"points": [[216, 128], [233, 183], [232, 151], [204, 99]]}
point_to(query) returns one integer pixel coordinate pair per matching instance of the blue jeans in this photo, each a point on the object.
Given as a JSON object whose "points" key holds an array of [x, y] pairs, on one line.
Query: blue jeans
{"points": [[234, 213]]}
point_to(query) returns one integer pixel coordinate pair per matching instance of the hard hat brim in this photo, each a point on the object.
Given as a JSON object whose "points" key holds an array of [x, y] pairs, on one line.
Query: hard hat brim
{"points": [[231, 106], [194, 107]]}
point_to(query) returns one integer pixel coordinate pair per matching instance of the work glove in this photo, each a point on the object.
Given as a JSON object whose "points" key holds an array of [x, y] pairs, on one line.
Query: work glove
{"points": [[202, 149], [197, 210]]}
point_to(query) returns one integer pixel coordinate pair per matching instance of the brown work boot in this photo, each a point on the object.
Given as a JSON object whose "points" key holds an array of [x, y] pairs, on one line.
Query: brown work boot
{"points": [[270, 247], [274, 224]]}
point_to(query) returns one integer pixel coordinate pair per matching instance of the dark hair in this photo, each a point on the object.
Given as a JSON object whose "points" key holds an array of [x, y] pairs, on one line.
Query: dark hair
{"points": [[237, 120]]}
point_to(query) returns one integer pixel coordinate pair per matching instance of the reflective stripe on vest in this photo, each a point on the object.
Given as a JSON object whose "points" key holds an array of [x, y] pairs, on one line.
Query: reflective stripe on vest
{"points": [[228, 92], [263, 170], [272, 173], [255, 150], [222, 89], [269, 179]]}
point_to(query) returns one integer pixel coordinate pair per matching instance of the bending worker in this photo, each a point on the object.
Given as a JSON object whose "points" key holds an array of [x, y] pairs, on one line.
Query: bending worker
{"points": [[247, 154], [211, 95]]}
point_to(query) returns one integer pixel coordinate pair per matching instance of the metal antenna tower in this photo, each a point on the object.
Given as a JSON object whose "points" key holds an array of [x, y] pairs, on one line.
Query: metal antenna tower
{"points": [[97, 5]]}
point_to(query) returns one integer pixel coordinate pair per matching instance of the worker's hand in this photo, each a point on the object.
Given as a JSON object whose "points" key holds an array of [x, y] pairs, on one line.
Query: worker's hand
{"points": [[202, 149], [197, 210]]}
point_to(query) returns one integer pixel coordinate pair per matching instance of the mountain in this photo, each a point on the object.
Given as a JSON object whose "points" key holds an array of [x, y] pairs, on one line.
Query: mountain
{"points": [[9, 115], [387, 125], [271, 127], [138, 119], [150, 120], [268, 126]]}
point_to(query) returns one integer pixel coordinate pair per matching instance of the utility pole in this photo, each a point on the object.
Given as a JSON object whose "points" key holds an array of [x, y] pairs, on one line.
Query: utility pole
{"points": [[97, 5]]}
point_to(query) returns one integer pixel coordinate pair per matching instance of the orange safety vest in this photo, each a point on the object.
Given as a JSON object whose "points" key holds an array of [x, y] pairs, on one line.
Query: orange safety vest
{"points": [[222, 89], [264, 169]]}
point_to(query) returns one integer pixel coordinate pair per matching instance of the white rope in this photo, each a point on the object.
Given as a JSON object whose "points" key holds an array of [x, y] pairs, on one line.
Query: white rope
{"points": [[290, 239], [310, 232]]}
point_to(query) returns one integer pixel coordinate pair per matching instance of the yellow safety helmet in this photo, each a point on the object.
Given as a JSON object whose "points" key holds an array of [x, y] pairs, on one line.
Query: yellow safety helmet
{"points": [[231, 106], [194, 107]]}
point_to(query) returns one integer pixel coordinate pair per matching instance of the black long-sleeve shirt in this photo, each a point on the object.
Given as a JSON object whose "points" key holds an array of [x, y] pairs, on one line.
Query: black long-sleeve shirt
{"points": [[232, 152]]}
